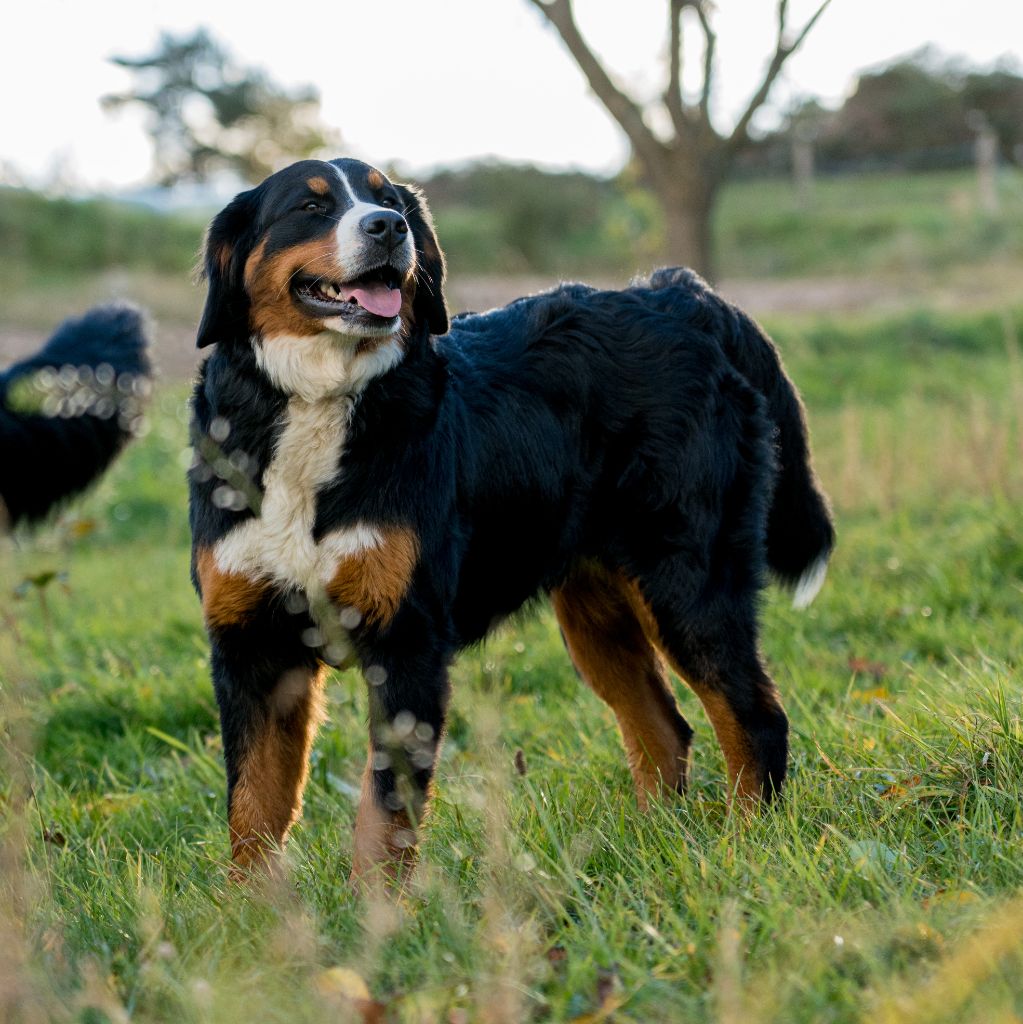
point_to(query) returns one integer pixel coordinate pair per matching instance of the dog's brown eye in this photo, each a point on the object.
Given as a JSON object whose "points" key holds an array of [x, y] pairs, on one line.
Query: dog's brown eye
{"points": [[387, 201], [313, 207]]}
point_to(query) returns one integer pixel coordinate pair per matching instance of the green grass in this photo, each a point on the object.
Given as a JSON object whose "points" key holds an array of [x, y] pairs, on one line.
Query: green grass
{"points": [[85, 236], [871, 224], [886, 886], [524, 222]]}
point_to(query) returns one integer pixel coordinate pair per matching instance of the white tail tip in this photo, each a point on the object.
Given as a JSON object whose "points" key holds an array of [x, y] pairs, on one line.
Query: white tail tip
{"points": [[810, 583]]}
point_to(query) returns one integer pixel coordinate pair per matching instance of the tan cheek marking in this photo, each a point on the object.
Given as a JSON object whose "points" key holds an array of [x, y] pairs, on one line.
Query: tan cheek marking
{"points": [[319, 186], [228, 598], [252, 264], [268, 280], [376, 580]]}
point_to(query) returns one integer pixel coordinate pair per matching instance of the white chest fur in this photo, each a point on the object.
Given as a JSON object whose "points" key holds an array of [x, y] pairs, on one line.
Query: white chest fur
{"points": [[324, 374], [319, 366]]}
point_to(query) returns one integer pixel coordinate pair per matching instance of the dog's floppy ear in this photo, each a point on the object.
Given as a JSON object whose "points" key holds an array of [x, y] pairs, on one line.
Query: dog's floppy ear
{"points": [[429, 306], [229, 241]]}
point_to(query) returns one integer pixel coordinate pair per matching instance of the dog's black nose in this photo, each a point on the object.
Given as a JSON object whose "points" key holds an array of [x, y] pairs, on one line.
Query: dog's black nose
{"points": [[385, 226]]}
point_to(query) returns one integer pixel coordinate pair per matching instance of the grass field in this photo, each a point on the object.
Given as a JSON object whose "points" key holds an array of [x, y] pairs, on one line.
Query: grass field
{"points": [[871, 224], [887, 886]]}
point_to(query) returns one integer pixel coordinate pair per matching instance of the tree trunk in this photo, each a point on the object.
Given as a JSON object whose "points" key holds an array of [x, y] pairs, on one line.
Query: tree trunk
{"points": [[688, 207]]}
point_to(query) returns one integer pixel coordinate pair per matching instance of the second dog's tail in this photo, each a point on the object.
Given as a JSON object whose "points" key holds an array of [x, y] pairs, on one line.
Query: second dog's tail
{"points": [[66, 411], [800, 531]]}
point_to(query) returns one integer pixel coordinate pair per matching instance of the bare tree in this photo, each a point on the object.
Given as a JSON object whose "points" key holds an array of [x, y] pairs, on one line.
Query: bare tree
{"points": [[686, 170]]}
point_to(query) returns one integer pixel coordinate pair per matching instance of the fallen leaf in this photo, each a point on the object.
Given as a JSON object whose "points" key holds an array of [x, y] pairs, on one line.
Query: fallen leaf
{"points": [[899, 788], [866, 696], [953, 897], [342, 981], [345, 984], [82, 528]]}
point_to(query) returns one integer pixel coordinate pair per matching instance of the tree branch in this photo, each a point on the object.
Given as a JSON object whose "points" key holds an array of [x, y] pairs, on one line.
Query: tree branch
{"points": [[621, 107], [673, 94], [710, 42], [782, 52]]}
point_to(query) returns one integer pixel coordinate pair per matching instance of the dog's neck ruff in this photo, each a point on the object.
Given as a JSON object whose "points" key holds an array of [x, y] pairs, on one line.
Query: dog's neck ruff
{"points": [[325, 365]]}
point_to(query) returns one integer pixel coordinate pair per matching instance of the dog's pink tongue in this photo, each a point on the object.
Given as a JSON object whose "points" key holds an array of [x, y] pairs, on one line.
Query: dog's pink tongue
{"points": [[377, 298]]}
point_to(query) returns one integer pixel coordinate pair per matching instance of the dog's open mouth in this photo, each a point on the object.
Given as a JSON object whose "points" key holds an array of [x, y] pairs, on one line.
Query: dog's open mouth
{"points": [[373, 296]]}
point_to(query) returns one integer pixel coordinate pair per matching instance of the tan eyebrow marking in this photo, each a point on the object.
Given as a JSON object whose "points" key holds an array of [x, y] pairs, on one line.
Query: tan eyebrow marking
{"points": [[318, 185], [375, 179]]}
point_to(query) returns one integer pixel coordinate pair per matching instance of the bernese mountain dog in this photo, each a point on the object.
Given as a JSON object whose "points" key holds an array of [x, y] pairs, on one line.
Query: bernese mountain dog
{"points": [[376, 484], [67, 411]]}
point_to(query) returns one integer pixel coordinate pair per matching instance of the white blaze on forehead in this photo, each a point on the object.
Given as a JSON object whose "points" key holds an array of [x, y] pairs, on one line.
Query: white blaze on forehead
{"points": [[349, 234], [278, 545], [345, 182]]}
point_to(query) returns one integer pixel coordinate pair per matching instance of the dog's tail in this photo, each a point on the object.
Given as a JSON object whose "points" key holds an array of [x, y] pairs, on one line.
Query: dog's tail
{"points": [[66, 411], [800, 531]]}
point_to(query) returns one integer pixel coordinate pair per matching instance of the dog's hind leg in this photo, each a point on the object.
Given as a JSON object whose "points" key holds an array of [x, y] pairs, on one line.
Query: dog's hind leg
{"points": [[608, 645], [712, 645]]}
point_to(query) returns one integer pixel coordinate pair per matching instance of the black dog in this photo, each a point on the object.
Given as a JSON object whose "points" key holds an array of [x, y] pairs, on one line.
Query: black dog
{"points": [[639, 455], [69, 409]]}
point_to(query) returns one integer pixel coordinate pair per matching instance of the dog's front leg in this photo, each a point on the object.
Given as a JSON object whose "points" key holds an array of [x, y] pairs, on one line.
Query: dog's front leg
{"points": [[408, 696], [270, 705]]}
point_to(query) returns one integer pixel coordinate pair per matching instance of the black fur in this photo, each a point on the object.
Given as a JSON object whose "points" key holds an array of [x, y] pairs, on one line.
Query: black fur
{"points": [[225, 315], [651, 430], [429, 307], [45, 459]]}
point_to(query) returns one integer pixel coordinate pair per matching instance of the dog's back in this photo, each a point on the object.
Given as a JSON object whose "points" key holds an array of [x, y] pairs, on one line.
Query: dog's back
{"points": [[653, 346]]}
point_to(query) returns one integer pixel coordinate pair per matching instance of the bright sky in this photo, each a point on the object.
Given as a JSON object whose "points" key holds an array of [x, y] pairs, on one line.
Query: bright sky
{"points": [[423, 83]]}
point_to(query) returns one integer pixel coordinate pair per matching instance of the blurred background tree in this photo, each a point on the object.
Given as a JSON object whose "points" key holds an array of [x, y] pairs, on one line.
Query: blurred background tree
{"points": [[685, 171], [890, 180], [208, 114], [918, 113]]}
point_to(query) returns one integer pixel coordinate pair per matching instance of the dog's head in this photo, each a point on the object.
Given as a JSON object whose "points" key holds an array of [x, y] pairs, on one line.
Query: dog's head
{"points": [[322, 248]]}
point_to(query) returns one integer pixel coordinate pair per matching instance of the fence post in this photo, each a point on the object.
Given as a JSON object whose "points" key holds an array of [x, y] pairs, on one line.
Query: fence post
{"points": [[985, 155]]}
